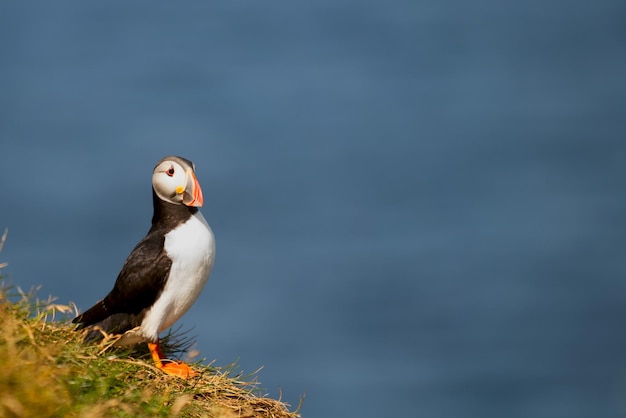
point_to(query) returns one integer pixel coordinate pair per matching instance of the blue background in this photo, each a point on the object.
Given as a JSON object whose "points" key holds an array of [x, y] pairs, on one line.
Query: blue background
{"points": [[419, 206]]}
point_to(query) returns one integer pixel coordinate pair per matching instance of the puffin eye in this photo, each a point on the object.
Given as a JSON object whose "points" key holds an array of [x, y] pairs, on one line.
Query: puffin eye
{"points": [[170, 172]]}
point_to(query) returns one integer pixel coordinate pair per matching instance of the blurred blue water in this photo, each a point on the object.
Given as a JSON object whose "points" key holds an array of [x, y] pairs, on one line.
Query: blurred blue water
{"points": [[419, 206]]}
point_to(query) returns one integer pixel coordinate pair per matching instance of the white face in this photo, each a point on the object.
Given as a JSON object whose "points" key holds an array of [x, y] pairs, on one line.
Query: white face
{"points": [[169, 181]]}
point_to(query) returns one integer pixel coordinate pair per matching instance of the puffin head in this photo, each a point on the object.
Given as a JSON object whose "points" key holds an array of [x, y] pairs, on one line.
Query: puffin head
{"points": [[174, 181]]}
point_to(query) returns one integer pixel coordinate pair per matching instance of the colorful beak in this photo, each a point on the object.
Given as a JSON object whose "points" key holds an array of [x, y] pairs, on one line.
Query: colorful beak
{"points": [[192, 196]]}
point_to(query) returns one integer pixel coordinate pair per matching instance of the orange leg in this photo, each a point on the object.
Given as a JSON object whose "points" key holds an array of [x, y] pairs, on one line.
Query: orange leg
{"points": [[168, 366]]}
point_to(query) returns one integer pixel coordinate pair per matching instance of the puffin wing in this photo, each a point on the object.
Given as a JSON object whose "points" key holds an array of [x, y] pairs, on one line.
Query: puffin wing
{"points": [[137, 287]]}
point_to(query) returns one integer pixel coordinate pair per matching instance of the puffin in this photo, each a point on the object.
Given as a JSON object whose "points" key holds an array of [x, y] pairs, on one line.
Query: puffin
{"points": [[164, 274]]}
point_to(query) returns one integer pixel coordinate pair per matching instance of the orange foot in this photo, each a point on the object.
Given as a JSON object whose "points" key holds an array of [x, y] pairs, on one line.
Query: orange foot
{"points": [[178, 369], [181, 370]]}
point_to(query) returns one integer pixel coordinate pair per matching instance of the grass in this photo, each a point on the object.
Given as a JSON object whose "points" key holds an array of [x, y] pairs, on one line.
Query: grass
{"points": [[47, 371]]}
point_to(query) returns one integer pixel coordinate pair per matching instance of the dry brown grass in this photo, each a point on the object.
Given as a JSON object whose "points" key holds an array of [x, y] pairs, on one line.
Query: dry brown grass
{"points": [[46, 371]]}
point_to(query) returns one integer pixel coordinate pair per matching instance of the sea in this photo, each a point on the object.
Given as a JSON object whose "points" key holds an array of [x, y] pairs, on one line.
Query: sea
{"points": [[419, 206]]}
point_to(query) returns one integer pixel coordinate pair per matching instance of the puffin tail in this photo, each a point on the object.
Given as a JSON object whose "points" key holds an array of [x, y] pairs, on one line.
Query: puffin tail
{"points": [[98, 321], [96, 313]]}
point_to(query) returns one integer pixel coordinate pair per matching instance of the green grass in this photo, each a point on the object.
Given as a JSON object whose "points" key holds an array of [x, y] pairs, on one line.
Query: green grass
{"points": [[47, 371]]}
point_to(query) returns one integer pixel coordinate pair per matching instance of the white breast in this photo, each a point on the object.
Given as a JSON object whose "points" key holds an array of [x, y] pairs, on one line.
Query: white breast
{"points": [[191, 247]]}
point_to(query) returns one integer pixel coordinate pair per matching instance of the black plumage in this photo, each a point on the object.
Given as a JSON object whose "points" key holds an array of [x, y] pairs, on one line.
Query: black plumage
{"points": [[142, 278]]}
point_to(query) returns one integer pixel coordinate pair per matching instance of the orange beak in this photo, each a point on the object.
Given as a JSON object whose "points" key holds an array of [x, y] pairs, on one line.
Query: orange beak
{"points": [[193, 193]]}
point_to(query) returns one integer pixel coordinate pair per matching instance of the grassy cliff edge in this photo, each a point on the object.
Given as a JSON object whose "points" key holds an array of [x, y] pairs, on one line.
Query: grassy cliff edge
{"points": [[46, 370]]}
